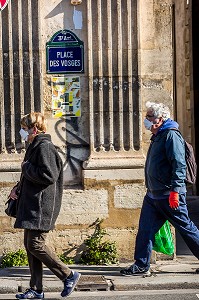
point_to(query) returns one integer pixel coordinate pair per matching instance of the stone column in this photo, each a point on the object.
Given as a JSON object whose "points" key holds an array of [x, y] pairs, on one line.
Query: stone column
{"points": [[114, 105]]}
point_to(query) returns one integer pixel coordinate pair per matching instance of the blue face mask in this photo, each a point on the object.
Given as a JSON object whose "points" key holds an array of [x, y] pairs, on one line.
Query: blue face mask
{"points": [[148, 124], [24, 134]]}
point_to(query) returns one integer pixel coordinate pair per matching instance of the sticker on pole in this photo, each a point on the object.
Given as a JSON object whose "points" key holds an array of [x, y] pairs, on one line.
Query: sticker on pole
{"points": [[3, 4]]}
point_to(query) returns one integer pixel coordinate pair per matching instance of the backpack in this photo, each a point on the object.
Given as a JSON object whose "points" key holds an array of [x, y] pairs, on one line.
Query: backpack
{"points": [[191, 171]]}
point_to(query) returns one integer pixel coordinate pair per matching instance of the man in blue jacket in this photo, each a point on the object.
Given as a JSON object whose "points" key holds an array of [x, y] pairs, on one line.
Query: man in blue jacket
{"points": [[165, 199]]}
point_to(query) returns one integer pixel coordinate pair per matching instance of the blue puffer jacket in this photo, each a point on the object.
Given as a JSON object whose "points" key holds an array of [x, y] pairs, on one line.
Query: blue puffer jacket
{"points": [[165, 168]]}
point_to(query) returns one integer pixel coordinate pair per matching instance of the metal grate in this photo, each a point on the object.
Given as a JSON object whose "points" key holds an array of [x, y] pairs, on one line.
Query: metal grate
{"points": [[92, 283]]}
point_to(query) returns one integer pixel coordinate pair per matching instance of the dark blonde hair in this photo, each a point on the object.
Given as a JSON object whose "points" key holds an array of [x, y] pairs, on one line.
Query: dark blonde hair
{"points": [[34, 119]]}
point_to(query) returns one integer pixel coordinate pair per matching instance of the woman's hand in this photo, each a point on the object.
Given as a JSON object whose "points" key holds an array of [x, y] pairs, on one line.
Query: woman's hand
{"points": [[23, 162], [13, 194]]}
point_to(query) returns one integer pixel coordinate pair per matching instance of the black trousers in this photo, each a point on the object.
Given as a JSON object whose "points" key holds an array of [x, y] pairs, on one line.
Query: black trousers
{"points": [[38, 254]]}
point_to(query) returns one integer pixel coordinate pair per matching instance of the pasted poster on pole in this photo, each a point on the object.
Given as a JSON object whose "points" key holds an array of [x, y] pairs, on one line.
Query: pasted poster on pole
{"points": [[66, 99]]}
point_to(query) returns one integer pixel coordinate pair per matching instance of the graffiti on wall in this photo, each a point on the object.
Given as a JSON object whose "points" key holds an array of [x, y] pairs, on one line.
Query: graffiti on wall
{"points": [[75, 151]]}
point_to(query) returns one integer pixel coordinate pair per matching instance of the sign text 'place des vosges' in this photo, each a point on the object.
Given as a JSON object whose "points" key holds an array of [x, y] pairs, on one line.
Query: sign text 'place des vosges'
{"points": [[64, 53]]}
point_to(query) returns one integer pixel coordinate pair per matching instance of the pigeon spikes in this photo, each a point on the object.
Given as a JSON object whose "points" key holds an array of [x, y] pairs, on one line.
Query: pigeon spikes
{"points": [[3, 4]]}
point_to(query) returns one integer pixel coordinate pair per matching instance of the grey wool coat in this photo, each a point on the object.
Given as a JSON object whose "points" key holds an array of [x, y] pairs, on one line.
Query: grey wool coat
{"points": [[41, 188]]}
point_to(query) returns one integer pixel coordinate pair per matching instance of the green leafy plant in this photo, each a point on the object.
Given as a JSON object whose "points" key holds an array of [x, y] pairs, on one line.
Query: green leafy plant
{"points": [[97, 251], [66, 260], [14, 259]]}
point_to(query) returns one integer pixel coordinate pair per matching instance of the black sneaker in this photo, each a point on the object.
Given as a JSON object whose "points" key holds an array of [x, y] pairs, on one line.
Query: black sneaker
{"points": [[134, 270], [30, 294], [70, 284]]}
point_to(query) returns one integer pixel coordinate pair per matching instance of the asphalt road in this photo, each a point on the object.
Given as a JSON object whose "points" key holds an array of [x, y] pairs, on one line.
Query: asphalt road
{"points": [[191, 294]]}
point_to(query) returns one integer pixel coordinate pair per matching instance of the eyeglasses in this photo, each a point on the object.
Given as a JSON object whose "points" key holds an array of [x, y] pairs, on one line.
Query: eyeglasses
{"points": [[149, 116]]}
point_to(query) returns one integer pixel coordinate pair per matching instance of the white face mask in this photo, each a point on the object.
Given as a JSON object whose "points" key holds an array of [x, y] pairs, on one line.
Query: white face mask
{"points": [[148, 124], [24, 134]]}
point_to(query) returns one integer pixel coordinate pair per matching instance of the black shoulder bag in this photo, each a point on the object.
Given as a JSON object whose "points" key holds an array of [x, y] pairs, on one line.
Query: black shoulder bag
{"points": [[11, 209]]}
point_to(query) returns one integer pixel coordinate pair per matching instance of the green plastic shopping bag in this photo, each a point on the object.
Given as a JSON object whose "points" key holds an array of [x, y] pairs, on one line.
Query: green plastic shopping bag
{"points": [[163, 240]]}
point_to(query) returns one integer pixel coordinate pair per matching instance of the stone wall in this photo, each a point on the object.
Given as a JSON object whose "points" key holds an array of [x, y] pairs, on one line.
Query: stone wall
{"points": [[109, 138]]}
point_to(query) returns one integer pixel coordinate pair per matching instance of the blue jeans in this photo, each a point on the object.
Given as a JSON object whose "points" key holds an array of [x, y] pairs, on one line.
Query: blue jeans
{"points": [[153, 215]]}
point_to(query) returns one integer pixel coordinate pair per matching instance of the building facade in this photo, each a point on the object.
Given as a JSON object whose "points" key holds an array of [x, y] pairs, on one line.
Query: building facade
{"points": [[90, 68]]}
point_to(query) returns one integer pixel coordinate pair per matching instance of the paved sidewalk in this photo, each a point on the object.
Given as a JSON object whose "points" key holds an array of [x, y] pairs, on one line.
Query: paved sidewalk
{"points": [[176, 274]]}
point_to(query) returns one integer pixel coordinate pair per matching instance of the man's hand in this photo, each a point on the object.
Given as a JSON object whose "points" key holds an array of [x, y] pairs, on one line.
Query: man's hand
{"points": [[174, 200]]}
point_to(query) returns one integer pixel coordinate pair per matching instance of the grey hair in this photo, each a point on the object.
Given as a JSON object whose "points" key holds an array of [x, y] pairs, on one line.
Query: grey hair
{"points": [[159, 110]]}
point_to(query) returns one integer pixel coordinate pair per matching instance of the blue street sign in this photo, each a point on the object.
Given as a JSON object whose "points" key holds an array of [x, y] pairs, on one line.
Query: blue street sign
{"points": [[64, 53], [65, 59]]}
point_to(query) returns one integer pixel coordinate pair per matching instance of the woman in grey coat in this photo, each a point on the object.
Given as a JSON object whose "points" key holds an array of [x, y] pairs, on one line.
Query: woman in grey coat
{"points": [[39, 203]]}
